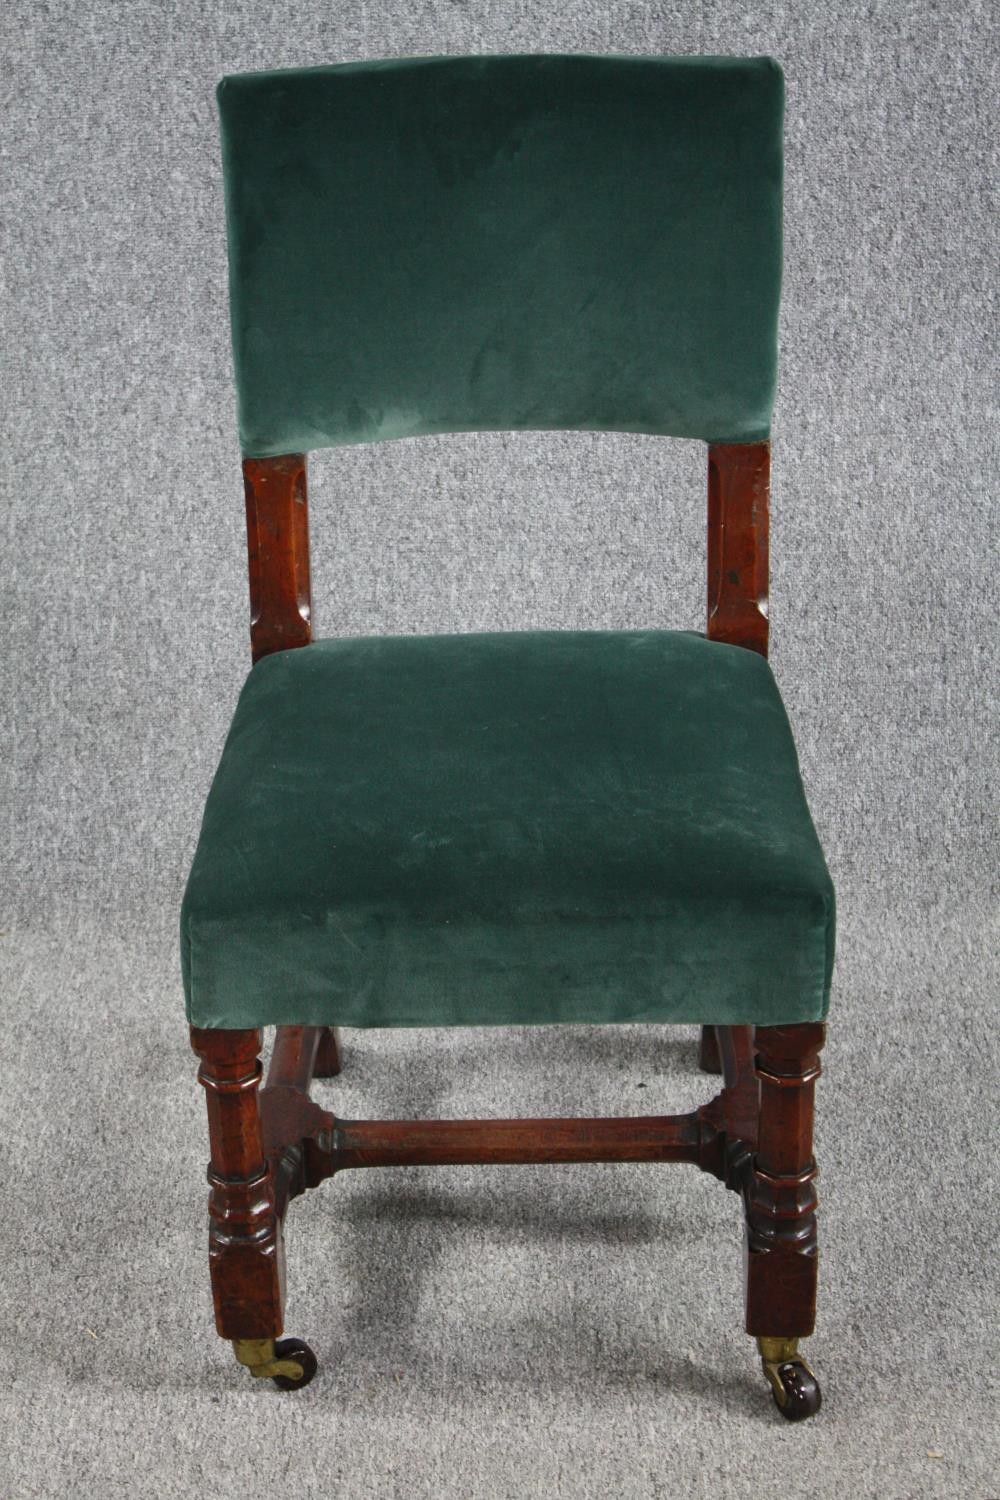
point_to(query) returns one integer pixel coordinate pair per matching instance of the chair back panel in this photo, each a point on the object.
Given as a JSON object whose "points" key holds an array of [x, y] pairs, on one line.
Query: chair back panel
{"points": [[448, 244]]}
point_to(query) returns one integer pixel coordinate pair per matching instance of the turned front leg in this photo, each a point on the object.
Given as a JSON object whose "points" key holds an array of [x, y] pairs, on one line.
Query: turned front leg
{"points": [[246, 1257], [781, 1246]]}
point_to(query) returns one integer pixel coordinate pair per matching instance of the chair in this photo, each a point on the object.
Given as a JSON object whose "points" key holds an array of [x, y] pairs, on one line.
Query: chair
{"points": [[536, 827]]}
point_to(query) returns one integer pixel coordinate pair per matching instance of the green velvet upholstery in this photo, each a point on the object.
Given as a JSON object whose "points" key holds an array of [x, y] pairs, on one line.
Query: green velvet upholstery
{"points": [[527, 827], [428, 245]]}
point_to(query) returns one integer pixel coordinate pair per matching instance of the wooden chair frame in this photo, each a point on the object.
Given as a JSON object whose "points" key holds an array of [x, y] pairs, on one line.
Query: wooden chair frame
{"points": [[270, 1144]]}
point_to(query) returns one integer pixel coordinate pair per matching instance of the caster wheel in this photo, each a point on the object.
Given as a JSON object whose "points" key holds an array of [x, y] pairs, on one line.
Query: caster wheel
{"points": [[800, 1390], [302, 1354]]}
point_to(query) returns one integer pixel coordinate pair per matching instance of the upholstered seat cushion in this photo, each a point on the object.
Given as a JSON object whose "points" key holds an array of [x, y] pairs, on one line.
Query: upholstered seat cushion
{"points": [[529, 827]]}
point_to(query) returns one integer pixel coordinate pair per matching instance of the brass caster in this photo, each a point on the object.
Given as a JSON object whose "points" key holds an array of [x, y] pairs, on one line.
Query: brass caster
{"points": [[793, 1385], [290, 1363]]}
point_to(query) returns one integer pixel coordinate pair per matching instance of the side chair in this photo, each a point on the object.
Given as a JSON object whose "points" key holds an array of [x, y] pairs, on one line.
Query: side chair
{"points": [[527, 828]]}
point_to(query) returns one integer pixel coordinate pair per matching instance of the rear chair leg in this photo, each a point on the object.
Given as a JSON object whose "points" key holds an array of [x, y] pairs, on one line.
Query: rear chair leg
{"points": [[781, 1256], [245, 1252], [328, 1060], [709, 1060]]}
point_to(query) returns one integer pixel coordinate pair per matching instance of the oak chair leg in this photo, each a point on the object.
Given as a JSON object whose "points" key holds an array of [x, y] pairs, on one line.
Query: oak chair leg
{"points": [[781, 1256], [246, 1254]]}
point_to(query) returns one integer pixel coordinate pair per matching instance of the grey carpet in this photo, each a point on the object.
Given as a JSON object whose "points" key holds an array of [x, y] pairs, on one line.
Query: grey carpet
{"points": [[501, 1332]]}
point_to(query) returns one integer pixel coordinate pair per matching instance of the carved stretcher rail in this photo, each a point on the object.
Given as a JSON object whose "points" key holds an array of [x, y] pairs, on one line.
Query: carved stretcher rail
{"points": [[271, 1144], [305, 1143]]}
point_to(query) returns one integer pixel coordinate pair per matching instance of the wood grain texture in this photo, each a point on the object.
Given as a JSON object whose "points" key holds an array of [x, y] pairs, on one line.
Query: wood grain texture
{"points": [[245, 1253], [739, 481], [306, 1143], [278, 549], [293, 1057], [655, 1138], [741, 1095], [781, 1248]]}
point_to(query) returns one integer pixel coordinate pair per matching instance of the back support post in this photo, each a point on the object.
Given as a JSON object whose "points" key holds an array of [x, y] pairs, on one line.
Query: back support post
{"points": [[278, 544], [739, 481]]}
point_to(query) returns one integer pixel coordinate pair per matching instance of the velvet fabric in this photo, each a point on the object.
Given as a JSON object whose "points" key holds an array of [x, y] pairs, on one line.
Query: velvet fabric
{"points": [[526, 827], [441, 244]]}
